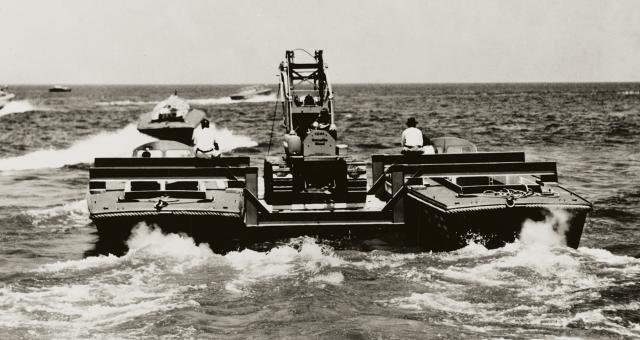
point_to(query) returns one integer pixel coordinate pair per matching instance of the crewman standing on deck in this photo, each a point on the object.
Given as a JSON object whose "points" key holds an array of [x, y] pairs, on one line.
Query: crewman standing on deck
{"points": [[412, 141], [204, 141]]}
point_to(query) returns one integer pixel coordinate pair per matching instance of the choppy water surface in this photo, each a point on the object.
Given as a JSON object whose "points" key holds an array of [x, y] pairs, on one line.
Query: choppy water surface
{"points": [[168, 287]]}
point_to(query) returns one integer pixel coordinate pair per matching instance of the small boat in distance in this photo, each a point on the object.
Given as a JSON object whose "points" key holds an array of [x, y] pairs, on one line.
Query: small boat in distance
{"points": [[171, 119], [59, 88], [5, 97], [250, 92]]}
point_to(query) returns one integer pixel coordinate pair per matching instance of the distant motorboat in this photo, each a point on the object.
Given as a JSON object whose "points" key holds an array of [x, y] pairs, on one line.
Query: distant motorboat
{"points": [[60, 88], [5, 97], [251, 91]]}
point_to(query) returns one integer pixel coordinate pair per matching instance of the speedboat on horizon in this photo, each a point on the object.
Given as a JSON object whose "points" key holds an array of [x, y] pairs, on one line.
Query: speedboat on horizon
{"points": [[250, 92], [5, 97], [171, 119], [59, 88]]}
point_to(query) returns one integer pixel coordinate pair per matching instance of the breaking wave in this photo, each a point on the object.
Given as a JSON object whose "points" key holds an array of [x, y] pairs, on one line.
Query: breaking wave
{"points": [[106, 144], [18, 106]]}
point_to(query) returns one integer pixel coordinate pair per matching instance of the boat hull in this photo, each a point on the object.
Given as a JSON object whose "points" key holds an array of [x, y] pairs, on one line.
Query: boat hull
{"points": [[179, 131], [441, 231], [229, 233], [243, 96]]}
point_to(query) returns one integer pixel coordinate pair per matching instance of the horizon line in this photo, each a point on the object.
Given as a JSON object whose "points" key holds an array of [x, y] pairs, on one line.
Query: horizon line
{"points": [[335, 83]]}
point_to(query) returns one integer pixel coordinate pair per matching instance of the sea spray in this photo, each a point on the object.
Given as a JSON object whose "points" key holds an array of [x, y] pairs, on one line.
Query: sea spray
{"points": [[118, 143], [106, 144], [300, 257], [17, 106], [550, 232], [229, 141], [228, 100]]}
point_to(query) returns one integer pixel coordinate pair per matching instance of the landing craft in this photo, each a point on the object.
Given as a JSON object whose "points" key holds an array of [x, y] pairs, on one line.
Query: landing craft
{"points": [[171, 119], [434, 202]]}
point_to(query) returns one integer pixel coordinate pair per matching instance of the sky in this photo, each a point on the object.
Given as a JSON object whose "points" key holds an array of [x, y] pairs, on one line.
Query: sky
{"points": [[242, 42]]}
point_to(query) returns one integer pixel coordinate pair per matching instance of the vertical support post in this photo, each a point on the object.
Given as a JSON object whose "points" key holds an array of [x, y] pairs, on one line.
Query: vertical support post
{"points": [[251, 184], [397, 181], [377, 169]]}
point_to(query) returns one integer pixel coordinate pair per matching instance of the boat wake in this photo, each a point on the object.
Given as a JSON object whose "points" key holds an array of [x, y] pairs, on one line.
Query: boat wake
{"points": [[228, 100], [68, 215], [566, 294], [94, 296], [229, 141], [106, 144], [17, 106], [533, 287], [195, 101]]}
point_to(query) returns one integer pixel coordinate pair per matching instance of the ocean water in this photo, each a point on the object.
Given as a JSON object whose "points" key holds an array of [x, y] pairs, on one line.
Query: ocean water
{"points": [[53, 286]]}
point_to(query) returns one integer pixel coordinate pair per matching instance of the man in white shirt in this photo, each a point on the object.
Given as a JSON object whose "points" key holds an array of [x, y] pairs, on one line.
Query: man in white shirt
{"points": [[412, 138], [204, 141]]}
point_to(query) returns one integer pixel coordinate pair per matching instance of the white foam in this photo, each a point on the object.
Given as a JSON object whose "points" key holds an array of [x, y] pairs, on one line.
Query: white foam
{"points": [[594, 319], [17, 106], [439, 302], [151, 243], [381, 259], [118, 143], [229, 141], [106, 291], [307, 258], [101, 261], [106, 144], [228, 100], [196, 101], [79, 309], [126, 103], [146, 244], [76, 211], [605, 256], [548, 233], [333, 278]]}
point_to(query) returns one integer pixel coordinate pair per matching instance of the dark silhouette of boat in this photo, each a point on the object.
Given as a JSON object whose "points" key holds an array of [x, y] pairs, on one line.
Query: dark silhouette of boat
{"points": [[59, 88], [250, 92], [171, 119]]}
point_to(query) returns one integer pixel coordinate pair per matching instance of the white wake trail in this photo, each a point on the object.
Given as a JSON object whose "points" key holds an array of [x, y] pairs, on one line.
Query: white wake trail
{"points": [[195, 101], [106, 144], [17, 106], [118, 143]]}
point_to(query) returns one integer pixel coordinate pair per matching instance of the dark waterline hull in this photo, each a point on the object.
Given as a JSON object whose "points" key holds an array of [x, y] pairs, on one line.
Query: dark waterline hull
{"points": [[179, 134], [242, 96], [440, 231]]}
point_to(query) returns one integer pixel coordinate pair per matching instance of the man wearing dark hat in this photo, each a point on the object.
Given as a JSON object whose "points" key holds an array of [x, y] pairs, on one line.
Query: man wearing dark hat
{"points": [[412, 138], [204, 141]]}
